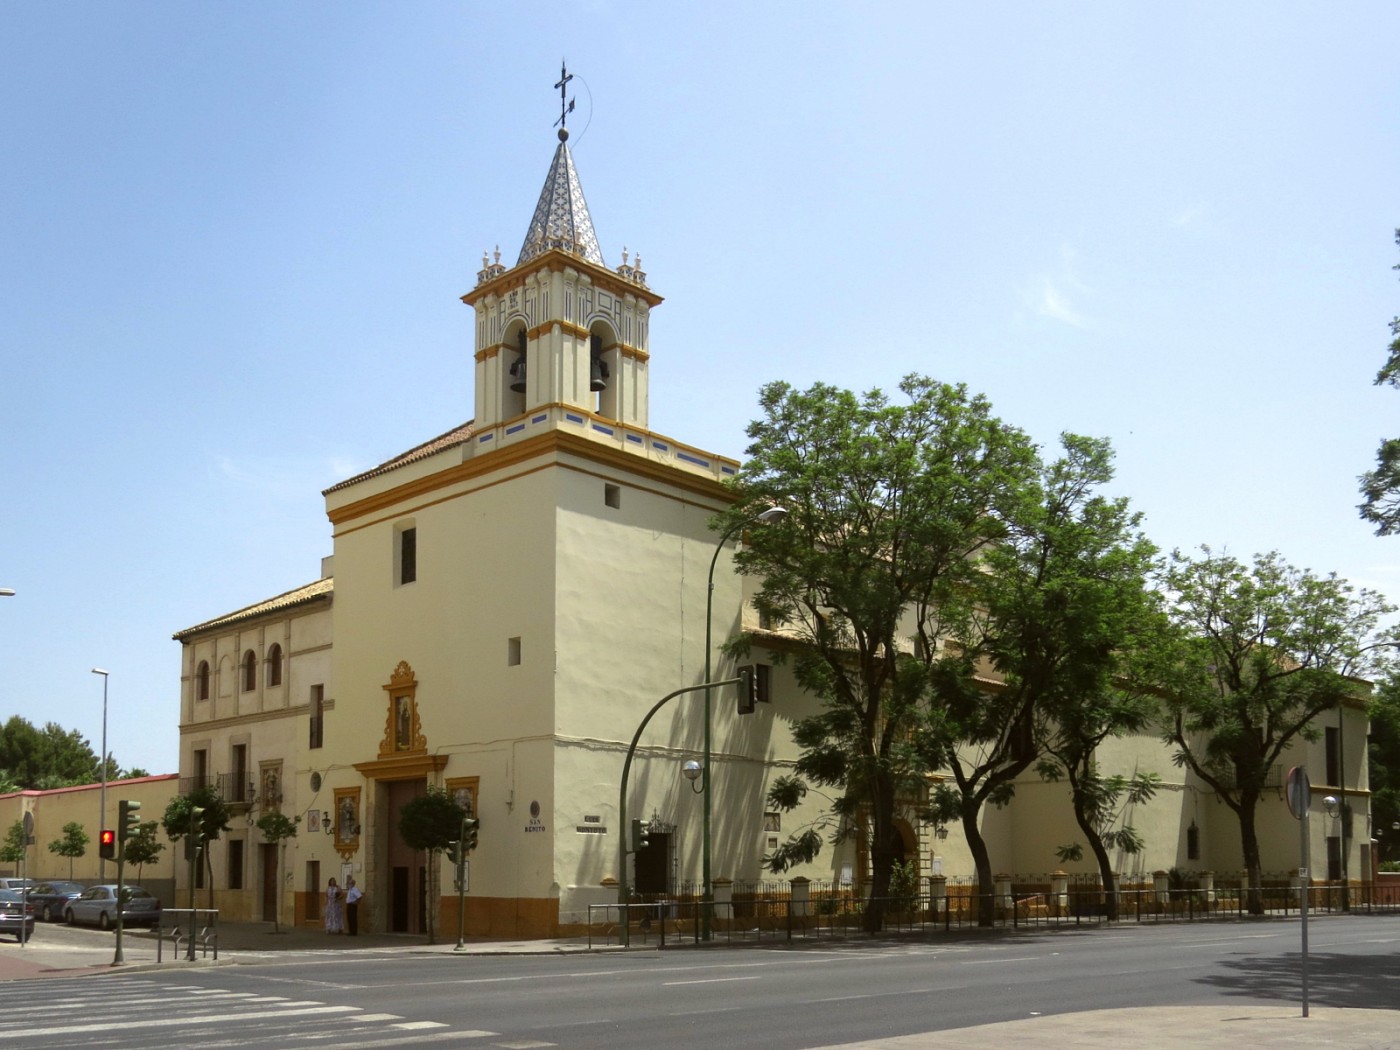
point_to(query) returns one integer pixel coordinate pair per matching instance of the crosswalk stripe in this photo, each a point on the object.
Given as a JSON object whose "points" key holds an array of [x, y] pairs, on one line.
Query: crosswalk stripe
{"points": [[182, 1020]]}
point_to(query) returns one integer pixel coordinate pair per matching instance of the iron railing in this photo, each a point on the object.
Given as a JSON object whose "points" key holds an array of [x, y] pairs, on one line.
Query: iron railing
{"points": [[756, 912]]}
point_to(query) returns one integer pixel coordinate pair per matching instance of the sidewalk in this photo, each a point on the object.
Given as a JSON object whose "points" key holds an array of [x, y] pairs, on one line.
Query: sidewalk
{"points": [[58, 951]]}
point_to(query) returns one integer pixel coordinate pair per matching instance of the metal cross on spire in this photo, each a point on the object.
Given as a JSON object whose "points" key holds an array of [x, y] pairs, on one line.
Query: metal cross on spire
{"points": [[566, 105]]}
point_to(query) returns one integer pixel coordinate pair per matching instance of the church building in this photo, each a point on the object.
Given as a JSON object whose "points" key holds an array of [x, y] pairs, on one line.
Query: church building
{"points": [[504, 604]]}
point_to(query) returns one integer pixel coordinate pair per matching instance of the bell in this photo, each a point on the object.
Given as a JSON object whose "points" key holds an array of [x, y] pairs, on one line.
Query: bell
{"points": [[598, 374], [518, 371]]}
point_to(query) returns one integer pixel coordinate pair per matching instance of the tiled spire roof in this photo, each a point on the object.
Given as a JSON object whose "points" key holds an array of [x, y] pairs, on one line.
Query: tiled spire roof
{"points": [[561, 217]]}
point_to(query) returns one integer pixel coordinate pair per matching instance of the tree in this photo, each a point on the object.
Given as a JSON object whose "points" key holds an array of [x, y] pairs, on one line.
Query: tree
{"points": [[42, 759], [1059, 605], [887, 506], [143, 848], [1385, 768], [16, 842], [429, 822], [275, 828], [213, 822], [72, 845], [1269, 648], [1381, 487]]}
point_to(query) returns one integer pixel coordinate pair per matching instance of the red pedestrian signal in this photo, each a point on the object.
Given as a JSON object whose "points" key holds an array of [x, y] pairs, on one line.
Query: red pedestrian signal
{"points": [[107, 844]]}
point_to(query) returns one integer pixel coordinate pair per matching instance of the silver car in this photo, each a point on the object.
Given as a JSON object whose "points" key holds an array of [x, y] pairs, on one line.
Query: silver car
{"points": [[16, 915], [97, 906]]}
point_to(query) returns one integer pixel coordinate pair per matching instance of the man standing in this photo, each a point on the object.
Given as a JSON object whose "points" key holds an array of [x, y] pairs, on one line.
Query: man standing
{"points": [[352, 907]]}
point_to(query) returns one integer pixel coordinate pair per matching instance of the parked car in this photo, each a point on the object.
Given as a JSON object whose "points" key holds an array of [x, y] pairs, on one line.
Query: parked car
{"points": [[8, 882], [16, 914], [97, 906], [50, 898]]}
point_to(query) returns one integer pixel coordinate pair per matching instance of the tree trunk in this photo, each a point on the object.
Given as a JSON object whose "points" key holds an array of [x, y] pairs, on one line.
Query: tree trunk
{"points": [[881, 857], [1096, 846], [1249, 839], [986, 888]]}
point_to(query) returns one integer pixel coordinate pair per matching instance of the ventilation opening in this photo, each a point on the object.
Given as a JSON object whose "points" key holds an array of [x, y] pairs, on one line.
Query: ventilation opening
{"points": [[612, 496]]}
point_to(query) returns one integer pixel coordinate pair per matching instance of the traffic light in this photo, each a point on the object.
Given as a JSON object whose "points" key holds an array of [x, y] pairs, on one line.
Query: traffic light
{"points": [[129, 821], [107, 844], [454, 852], [641, 835], [748, 689], [194, 838], [470, 827]]}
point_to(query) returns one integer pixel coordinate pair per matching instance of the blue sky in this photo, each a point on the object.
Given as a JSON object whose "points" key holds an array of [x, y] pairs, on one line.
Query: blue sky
{"points": [[233, 238]]}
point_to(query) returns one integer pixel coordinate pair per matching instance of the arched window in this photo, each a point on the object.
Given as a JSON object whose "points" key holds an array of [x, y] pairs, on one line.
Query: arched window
{"points": [[274, 665], [603, 362], [250, 671], [514, 367], [201, 681]]}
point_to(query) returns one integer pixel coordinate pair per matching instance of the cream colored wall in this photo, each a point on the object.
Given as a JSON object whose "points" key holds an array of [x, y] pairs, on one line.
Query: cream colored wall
{"points": [[54, 809], [272, 722], [485, 575]]}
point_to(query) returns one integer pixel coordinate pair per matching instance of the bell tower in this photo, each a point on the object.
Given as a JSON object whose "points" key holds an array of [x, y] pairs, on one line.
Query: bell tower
{"points": [[559, 329]]}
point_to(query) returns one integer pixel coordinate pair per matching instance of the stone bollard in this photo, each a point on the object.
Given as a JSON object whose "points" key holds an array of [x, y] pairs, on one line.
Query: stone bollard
{"points": [[938, 895], [1059, 893], [801, 897], [1161, 887], [722, 895], [1208, 886]]}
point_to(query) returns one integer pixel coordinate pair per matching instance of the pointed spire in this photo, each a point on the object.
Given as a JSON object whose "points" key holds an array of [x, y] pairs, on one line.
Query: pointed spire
{"points": [[561, 218]]}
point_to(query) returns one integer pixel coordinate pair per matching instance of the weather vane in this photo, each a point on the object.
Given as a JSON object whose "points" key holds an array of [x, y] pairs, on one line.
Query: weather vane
{"points": [[566, 105]]}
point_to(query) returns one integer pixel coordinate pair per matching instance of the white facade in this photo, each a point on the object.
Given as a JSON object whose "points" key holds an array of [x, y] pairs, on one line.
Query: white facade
{"points": [[509, 600]]}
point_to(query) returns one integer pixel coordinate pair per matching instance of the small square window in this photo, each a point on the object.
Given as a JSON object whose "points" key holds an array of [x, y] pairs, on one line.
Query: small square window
{"points": [[612, 495], [513, 652]]}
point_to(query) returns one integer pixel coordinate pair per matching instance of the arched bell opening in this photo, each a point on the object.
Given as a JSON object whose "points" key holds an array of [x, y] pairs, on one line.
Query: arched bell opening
{"points": [[514, 370], [603, 370]]}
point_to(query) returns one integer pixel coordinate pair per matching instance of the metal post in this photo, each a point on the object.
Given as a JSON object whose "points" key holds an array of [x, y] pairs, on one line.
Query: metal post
{"points": [[118, 959], [102, 798], [194, 859], [622, 849], [1303, 885], [461, 887], [1342, 809], [767, 515]]}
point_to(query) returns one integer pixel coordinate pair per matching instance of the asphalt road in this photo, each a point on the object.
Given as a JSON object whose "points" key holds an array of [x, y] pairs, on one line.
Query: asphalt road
{"points": [[771, 997]]}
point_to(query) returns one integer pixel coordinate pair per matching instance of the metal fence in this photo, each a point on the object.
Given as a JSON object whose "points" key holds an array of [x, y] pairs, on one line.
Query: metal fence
{"points": [[756, 912]]}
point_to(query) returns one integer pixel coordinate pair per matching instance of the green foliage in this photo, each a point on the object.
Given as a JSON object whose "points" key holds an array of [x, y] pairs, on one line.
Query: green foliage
{"points": [[143, 847], [887, 505], [432, 820], [42, 759], [1059, 610], [13, 849], [1071, 854], [72, 845], [1385, 766], [213, 821], [1380, 488], [276, 826], [429, 822], [1269, 648]]}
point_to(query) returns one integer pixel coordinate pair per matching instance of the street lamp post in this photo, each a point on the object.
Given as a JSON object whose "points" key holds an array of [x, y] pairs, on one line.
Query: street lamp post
{"points": [[102, 798], [769, 515]]}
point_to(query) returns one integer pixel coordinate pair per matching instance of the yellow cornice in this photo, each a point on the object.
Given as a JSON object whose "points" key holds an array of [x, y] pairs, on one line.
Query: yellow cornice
{"points": [[552, 442], [405, 768], [623, 349], [556, 260], [217, 724]]}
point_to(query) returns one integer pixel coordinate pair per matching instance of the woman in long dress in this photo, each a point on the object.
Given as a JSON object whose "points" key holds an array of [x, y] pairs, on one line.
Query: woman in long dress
{"points": [[335, 908]]}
